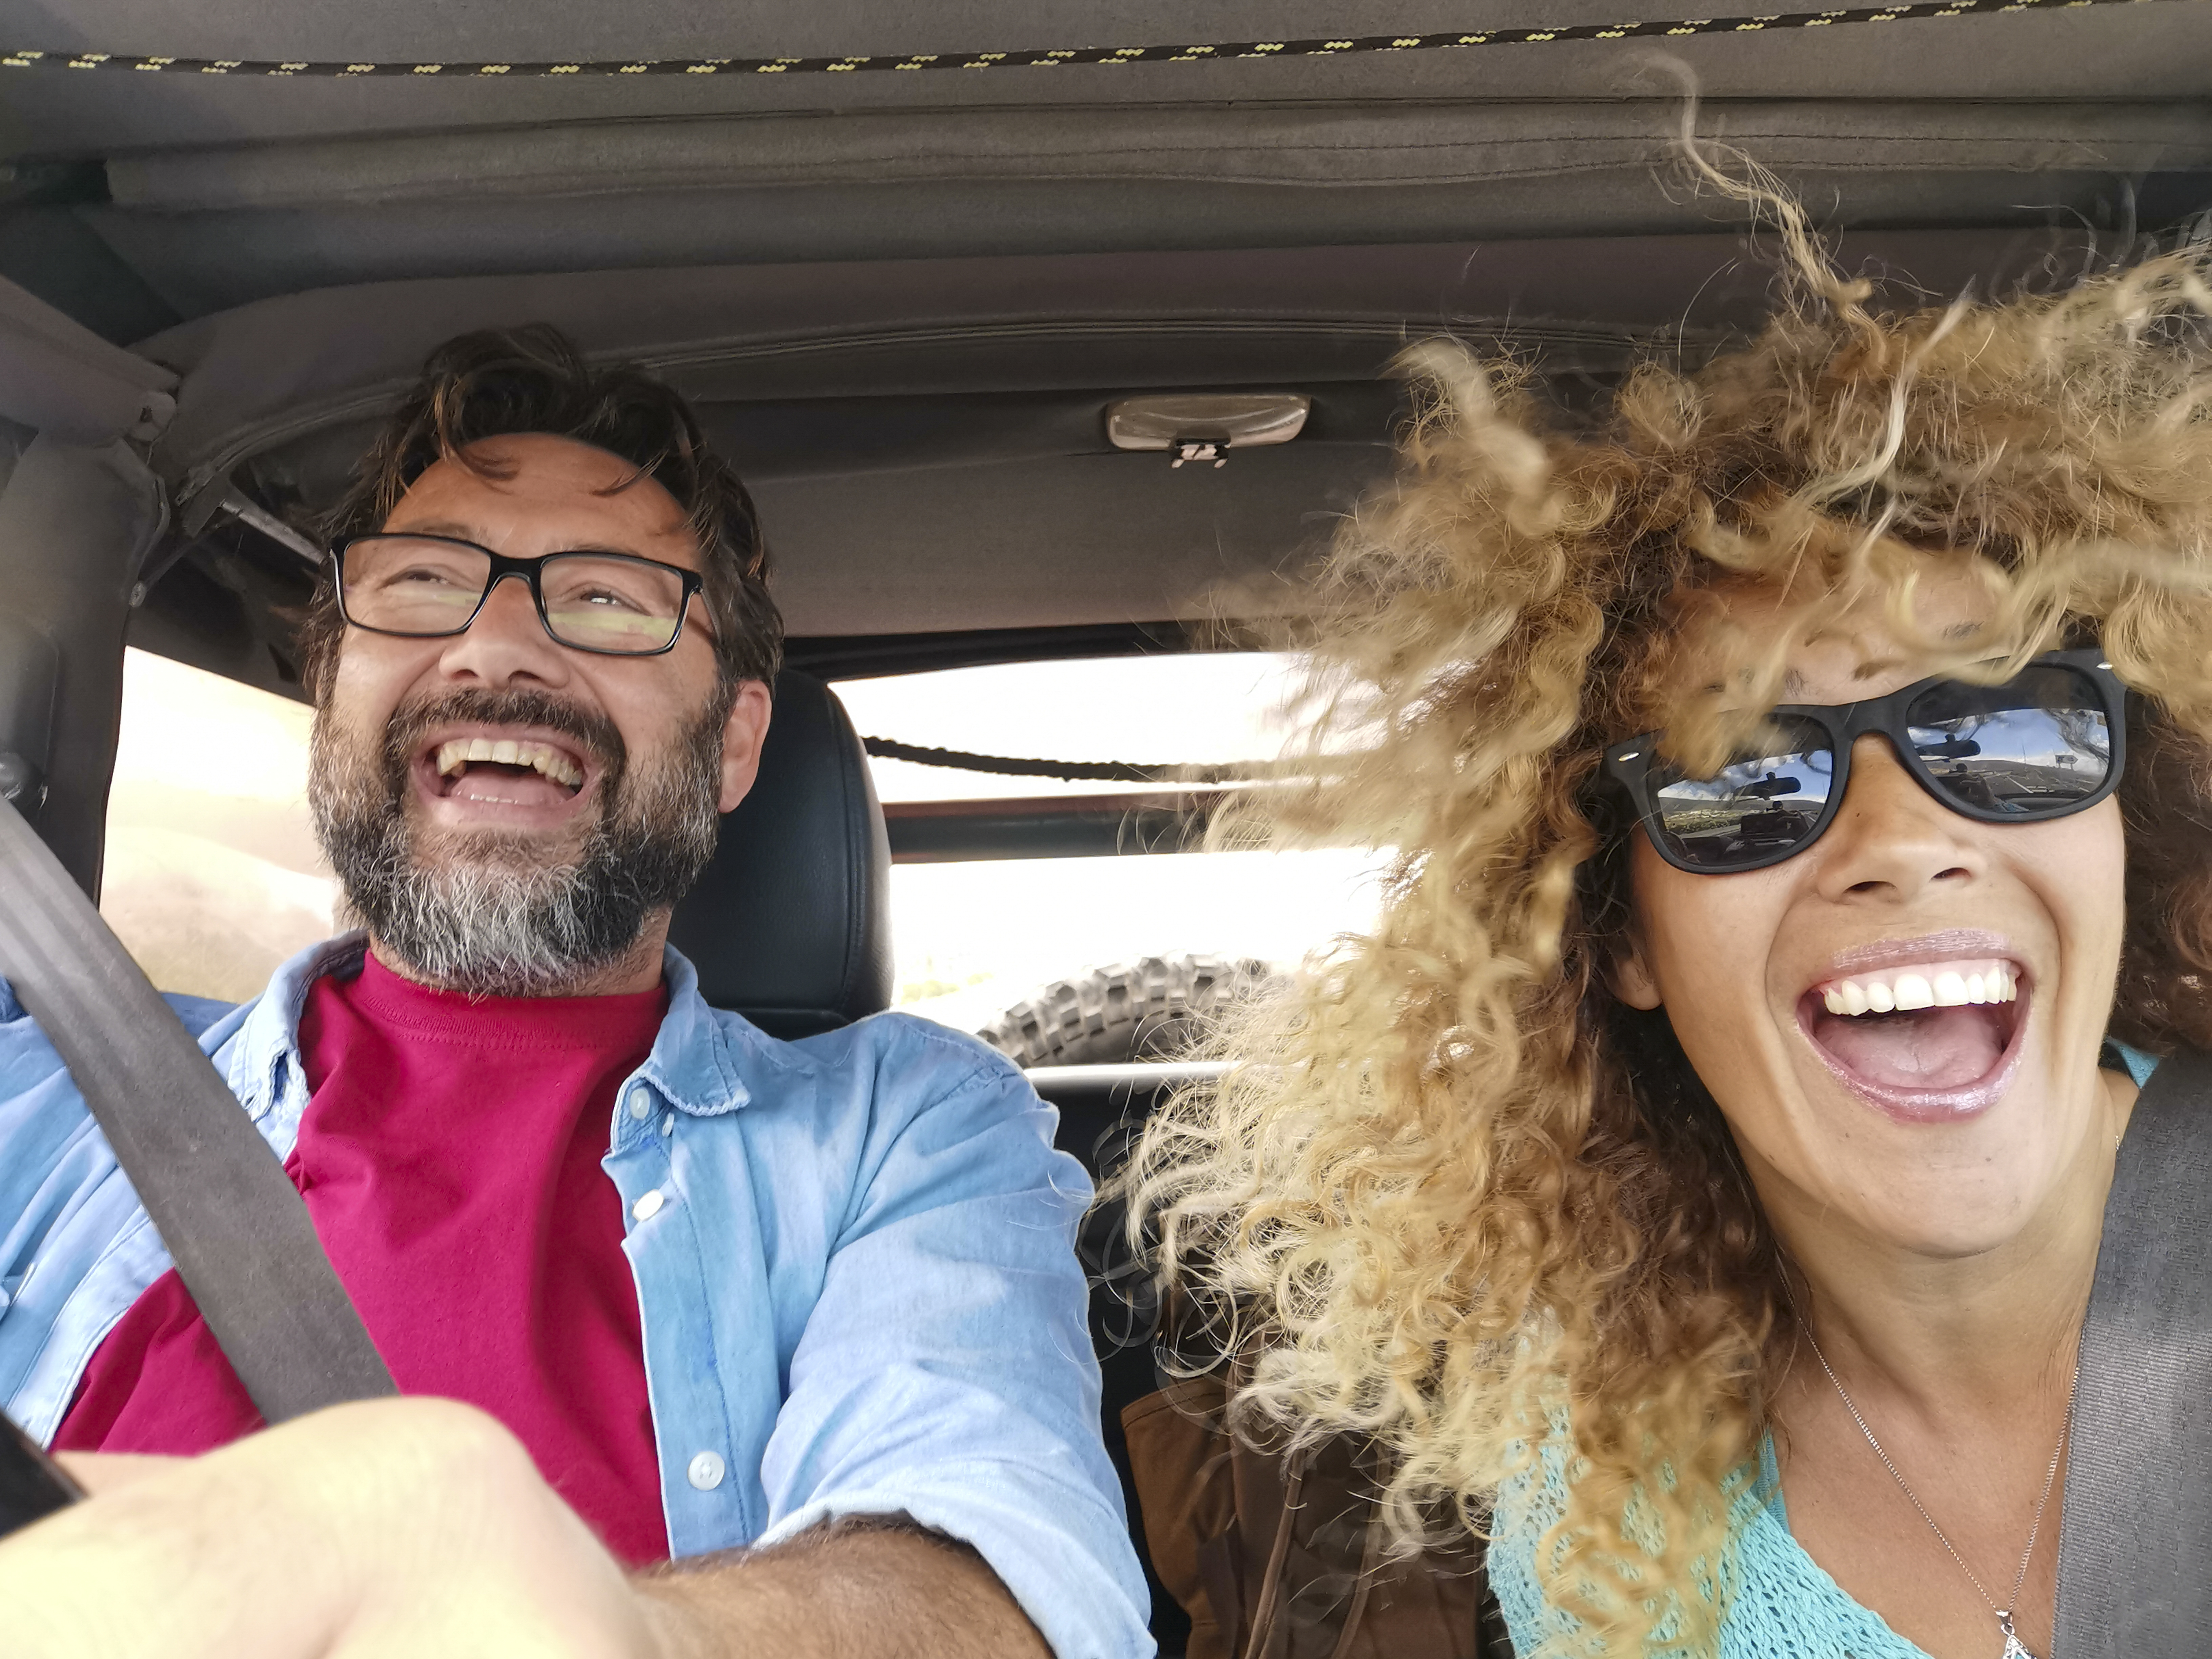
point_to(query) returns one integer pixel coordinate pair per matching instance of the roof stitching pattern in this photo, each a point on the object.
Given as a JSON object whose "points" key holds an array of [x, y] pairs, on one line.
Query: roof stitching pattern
{"points": [[1060, 57]]}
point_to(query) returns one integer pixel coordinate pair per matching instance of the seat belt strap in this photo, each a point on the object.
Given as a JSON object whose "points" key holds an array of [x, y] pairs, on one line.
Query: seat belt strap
{"points": [[2135, 1551], [234, 1223]]}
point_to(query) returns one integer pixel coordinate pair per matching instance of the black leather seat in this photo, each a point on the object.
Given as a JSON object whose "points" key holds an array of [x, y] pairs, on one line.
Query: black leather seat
{"points": [[791, 924]]}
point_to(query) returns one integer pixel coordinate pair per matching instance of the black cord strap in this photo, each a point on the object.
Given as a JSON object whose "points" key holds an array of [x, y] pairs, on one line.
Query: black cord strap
{"points": [[1070, 771]]}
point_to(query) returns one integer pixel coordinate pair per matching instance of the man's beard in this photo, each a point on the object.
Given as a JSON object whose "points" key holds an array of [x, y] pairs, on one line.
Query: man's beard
{"points": [[489, 913]]}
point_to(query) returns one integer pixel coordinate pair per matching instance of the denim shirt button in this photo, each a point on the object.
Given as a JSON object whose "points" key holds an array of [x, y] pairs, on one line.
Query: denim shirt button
{"points": [[641, 1103], [668, 1126], [706, 1471], [648, 1206]]}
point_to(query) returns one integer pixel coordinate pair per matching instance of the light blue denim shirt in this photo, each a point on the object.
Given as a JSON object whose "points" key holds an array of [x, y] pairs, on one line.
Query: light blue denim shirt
{"points": [[859, 1289]]}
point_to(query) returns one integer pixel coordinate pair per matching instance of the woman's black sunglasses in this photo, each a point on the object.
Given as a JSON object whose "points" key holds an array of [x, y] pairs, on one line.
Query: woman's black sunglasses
{"points": [[2047, 743]]}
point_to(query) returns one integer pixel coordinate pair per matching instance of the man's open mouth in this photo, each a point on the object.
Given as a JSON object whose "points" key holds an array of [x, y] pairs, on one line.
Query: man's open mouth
{"points": [[518, 772], [1922, 1040]]}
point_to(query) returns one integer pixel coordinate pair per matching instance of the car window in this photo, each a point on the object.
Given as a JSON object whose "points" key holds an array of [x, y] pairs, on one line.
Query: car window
{"points": [[973, 937], [212, 875]]}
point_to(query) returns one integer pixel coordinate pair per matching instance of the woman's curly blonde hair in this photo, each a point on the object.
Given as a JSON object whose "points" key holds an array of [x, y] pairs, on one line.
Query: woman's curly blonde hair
{"points": [[1454, 1194]]}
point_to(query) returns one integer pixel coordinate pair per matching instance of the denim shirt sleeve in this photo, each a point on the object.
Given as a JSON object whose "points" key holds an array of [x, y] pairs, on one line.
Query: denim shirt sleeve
{"points": [[946, 1371]]}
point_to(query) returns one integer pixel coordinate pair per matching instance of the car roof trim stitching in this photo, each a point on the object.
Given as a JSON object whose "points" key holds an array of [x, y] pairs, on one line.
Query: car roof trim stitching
{"points": [[1054, 57]]}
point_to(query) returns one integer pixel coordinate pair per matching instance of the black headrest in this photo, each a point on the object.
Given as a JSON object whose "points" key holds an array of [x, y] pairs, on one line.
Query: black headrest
{"points": [[791, 924]]}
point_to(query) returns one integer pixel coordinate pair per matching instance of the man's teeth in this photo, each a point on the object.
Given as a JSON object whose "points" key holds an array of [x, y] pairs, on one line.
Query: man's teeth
{"points": [[505, 751], [1923, 985]]}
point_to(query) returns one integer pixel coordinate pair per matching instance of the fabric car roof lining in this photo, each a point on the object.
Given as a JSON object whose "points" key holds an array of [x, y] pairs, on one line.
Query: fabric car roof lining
{"points": [[271, 372], [2120, 53], [1336, 144]]}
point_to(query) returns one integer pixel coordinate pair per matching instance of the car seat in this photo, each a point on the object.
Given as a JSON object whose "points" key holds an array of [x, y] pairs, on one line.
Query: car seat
{"points": [[790, 925]]}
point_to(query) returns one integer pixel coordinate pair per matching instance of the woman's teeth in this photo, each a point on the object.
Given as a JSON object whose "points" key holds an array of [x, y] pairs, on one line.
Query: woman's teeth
{"points": [[1923, 985], [453, 757]]}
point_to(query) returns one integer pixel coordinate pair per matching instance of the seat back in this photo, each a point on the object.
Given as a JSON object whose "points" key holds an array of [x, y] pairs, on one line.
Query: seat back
{"points": [[790, 925]]}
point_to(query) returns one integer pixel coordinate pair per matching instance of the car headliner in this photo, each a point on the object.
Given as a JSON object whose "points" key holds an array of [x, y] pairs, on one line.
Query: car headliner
{"points": [[901, 301]]}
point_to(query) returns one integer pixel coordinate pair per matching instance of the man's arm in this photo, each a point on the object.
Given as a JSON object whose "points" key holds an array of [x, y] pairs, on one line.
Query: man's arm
{"points": [[856, 1587], [946, 1373], [877, 1586], [413, 1528]]}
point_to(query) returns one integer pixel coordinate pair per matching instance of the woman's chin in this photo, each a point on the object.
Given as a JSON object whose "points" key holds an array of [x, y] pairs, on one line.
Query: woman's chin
{"points": [[1926, 1191]]}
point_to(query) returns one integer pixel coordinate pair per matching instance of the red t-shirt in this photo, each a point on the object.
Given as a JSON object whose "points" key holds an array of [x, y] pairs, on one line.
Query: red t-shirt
{"points": [[450, 1157]]}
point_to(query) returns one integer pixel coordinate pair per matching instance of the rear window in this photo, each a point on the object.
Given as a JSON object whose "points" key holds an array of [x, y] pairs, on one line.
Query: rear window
{"points": [[973, 937]]}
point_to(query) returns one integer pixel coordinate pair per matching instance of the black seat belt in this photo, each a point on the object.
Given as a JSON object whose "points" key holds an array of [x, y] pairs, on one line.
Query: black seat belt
{"points": [[2134, 1549], [234, 1223]]}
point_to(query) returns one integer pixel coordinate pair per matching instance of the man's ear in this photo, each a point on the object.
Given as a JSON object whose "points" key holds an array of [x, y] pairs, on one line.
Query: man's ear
{"points": [[743, 734], [1629, 976]]}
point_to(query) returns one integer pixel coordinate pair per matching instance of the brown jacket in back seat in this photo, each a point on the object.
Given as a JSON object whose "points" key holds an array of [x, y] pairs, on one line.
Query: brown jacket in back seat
{"points": [[1285, 1556]]}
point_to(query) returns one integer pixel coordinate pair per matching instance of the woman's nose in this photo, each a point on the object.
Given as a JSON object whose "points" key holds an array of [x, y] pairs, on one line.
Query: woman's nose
{"points": [[1891, 838]]}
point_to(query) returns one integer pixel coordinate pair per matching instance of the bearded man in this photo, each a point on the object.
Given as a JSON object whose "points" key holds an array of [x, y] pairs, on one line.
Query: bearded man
{"points": [[790, 1359]]}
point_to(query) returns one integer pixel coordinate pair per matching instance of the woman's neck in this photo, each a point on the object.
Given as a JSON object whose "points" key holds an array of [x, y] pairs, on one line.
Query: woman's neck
{"points": [[1959, 1334]]}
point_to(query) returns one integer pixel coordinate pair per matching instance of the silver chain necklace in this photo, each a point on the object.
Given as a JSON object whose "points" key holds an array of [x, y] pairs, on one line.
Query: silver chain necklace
{"points": [[2014, 1647]]}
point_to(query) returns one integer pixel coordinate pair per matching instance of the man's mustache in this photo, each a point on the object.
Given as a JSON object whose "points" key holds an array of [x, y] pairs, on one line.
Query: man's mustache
{"points": [[589, 730]]}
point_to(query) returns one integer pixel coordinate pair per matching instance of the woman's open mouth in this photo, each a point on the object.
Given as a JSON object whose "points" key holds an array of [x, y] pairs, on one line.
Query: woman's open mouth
{"points": [[1925, 1042]]}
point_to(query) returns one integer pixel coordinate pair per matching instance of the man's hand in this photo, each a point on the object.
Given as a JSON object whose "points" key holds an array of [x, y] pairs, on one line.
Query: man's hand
{"points": [[419, 1528], [397, 1529]]}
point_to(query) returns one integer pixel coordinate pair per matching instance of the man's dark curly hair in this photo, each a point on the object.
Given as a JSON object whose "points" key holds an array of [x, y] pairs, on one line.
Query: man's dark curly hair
{"points": [[533, 380]]}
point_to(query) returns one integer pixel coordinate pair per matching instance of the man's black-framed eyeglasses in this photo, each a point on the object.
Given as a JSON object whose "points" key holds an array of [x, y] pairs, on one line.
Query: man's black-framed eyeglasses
{"points": [[427, 587], [2047, 742]]}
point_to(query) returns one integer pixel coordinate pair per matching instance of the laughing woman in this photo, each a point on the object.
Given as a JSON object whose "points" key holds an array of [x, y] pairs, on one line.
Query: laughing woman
{"points": [[1696, 1180]]}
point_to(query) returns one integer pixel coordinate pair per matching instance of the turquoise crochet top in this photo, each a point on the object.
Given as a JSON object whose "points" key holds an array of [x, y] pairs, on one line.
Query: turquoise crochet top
{"points": [[1784, 1606]]}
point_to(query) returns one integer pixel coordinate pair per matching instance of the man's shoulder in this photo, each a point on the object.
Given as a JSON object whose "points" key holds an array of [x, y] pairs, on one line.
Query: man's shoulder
{"points": [[906, 1035], [242, 1038], [913, 1109], [20, 1039], [894, 1066], [918, 1053]]}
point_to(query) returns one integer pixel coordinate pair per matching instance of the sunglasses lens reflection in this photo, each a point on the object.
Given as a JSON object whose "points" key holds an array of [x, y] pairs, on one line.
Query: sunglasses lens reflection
{"points": [[1752, 809], [2035, 747]]}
